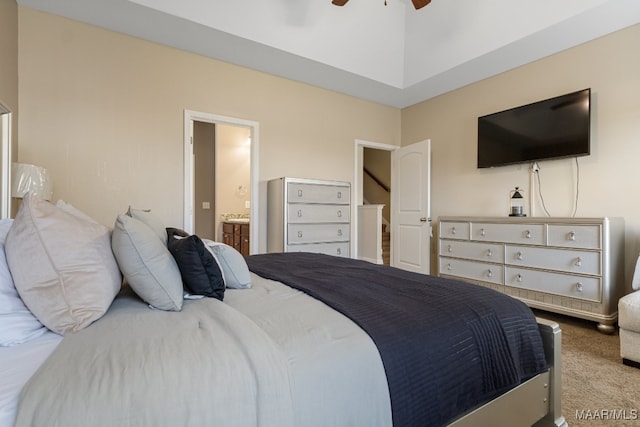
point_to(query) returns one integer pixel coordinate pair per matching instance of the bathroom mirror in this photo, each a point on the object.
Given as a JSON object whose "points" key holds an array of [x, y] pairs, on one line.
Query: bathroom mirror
{"points": [[5, 163]]}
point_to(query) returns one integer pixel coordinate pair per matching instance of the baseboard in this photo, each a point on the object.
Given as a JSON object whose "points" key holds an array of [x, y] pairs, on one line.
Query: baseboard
{"points": [[632, 363]]}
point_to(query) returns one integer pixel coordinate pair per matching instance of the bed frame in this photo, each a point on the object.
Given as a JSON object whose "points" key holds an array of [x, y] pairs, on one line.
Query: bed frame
{"points": [[535, 402]]}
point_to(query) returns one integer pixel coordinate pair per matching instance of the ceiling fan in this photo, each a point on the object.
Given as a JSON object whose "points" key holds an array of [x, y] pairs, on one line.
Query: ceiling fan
{"points": [[416, 3]]}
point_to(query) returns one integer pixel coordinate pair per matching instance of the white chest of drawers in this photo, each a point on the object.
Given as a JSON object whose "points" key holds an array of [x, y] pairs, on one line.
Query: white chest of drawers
{"points": [[307, 215], [572, 266]]}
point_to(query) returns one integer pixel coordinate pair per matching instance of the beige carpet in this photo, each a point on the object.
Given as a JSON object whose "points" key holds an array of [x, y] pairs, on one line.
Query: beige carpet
{"points": [[597, 389]]}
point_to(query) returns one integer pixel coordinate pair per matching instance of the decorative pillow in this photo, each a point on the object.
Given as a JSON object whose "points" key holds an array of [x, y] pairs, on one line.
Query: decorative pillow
{"points": [[72, 210], [151, 221], [147, 264], [200, 272], [234, 267], [18, 323], [62, 265]]}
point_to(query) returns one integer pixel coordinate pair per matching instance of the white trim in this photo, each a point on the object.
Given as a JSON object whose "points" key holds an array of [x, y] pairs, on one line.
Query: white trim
{"points": [[5, 138], [189, 117], [359, 145]]}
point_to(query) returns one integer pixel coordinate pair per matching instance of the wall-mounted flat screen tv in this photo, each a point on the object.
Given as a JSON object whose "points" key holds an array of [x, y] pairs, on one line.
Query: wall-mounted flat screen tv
{"points": [[550, 129]]}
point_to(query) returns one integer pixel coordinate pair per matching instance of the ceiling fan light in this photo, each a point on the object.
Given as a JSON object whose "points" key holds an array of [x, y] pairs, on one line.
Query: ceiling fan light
{"points": [[416, 3], [420, 3]]}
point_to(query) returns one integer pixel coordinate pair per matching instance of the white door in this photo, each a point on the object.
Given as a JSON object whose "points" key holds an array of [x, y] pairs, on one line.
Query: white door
{"points": [[411, 207]]}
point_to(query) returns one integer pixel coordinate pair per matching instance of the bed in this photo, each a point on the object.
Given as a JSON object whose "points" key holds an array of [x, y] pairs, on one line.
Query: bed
{"points": [[305, 341]]}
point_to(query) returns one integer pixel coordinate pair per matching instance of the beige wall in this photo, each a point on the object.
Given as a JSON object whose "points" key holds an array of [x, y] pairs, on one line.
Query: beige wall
{"points": [[609, 178], [104, 113], [9, 62], [378, 162], [204, 139], [233, 171]]}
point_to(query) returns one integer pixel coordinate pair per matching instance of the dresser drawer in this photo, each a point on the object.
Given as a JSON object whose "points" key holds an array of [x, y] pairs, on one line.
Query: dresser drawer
{"points": [[585, 288], [529, 234], [337, 249], [471, 270], [454, 230], [301, 213], [315, 193], [316, 233], [575, 236], [491, 252], [572, 261]]}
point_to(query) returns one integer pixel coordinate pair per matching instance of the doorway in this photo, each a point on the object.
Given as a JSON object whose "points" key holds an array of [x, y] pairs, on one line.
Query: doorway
{"points": [[410, 195], [372, 188], [220, 164]]}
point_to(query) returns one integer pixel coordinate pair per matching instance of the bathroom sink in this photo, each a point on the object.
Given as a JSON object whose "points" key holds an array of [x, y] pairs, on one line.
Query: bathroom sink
{"points": [[238, 220]]}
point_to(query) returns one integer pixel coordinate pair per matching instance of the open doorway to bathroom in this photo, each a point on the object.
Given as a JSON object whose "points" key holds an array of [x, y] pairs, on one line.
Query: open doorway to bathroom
{"points": [[219, 178]]}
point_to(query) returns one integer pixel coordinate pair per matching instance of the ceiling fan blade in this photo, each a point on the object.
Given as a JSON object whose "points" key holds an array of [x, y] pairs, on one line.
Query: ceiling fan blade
{"points": [[342, 2], [420, 3]]}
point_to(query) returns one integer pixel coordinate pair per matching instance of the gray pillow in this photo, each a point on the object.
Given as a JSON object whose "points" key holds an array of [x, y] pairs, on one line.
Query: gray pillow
{"points": [[150, 220], [234, 267], [147, 264]]}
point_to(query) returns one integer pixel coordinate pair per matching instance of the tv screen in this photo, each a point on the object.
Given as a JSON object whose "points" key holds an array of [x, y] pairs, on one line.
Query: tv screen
{"points": [[554, 128]]}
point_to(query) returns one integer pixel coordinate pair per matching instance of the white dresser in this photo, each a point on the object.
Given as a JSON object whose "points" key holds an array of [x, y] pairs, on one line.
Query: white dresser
{"points": [[306, 215], [572, 266]]}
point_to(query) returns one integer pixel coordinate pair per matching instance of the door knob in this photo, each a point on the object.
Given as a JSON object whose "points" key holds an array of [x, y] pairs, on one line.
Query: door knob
{"points": [[423, 219]]}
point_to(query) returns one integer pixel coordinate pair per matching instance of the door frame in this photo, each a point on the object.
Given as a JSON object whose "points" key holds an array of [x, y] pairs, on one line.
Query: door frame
{"points": [[189, 177], [359, 147], [6, 153]]}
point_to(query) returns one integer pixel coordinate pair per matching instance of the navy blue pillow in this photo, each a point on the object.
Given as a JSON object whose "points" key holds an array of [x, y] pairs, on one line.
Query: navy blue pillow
{"points": [[200, 272]]}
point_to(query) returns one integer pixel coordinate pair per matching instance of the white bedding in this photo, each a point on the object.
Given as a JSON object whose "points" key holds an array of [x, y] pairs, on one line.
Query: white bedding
{"points": [[17, 365], [335, 374]]}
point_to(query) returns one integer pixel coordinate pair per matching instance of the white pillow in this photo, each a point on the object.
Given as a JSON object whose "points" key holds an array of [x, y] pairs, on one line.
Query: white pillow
{"points": [[17, 323], [62, 265], [147, 264], [234, 267]]}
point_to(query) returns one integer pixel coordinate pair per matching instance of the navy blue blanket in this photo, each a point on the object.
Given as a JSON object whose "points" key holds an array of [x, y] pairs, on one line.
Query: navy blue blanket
{"points": [[447, 346]]}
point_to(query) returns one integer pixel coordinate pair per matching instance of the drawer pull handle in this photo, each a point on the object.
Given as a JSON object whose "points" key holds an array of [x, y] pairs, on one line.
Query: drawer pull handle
{"points": [[339, 251], [482, 233], [579, 287], [339, 213], [572, 235], [339, 231], [489, 273], [527, 234], [519, 255], [299, 193], [453, 230], [449, 248], [449, 267], [339, 194], [299, 213], [300, 234], [579, 262], [489, 254], [518, 277]]}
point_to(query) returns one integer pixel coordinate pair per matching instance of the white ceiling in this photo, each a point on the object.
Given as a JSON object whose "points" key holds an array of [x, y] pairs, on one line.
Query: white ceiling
{"points": [[391, 54]]}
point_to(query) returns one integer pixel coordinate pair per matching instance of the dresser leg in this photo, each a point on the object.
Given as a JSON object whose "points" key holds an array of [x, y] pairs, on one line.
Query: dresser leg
{"points": [[606, 329]]}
